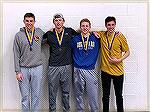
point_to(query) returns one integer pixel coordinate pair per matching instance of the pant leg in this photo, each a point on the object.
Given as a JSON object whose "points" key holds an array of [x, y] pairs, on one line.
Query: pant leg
{"points": [[36, 80], [53, 84], [24, 87], [79, 84], [106, 83], [118, 86], [65, 81], [92, 88]]}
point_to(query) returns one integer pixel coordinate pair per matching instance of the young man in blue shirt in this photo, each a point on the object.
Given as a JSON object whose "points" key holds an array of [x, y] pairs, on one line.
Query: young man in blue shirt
{"points": [[85, 52]]}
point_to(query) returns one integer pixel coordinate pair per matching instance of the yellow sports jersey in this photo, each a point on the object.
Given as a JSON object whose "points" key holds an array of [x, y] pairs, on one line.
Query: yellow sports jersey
{"points": [[112, 48]]}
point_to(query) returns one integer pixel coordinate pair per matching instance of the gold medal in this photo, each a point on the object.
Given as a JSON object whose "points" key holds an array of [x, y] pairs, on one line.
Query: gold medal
{"points": [[110, 44], [61, 37], [30, 37], [85, 43]]}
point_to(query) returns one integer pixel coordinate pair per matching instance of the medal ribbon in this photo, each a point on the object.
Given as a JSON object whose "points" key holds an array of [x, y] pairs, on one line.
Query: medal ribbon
{"points": [[61, 37], [85, 43], [110, 45], [30, 38]]}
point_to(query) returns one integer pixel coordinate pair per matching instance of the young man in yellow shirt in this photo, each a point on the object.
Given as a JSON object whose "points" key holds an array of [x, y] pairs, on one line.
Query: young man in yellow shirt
{"points": [[114, 49]]}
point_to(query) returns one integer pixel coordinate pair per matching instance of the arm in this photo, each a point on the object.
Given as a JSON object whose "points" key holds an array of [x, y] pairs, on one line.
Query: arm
{"points": [[124, 49], [72, 43], [73, 32], [44, 39], [96, 34], [16, 51], [115, 60], [125, 55], [41, 34]]}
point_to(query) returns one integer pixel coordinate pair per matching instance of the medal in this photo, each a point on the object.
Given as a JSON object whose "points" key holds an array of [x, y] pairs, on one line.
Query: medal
{"points": [[85, 42], [110, 44], [61, 37], [85, 52], [30, 37]]}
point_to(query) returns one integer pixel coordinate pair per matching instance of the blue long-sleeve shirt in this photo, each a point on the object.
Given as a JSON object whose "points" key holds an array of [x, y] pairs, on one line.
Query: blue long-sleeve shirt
{"points": [[85, 59]]}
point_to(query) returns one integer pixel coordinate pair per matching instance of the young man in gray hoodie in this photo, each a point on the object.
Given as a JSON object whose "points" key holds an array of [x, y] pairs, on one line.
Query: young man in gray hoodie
{"points": [[28, 62]]}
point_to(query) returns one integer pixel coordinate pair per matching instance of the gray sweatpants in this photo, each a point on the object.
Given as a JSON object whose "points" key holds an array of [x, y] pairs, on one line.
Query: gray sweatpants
{"points": [[59, 77], [86, 80]]}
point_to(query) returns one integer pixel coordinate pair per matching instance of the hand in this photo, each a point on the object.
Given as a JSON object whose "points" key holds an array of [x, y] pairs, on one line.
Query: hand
{"points": [[78, 30], [114, 60], [51, 29], [19, 76], [118, 33], [47, 45]]}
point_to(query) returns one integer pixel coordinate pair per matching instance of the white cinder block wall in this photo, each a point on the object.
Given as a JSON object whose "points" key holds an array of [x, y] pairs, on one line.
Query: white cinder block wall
{"points": [[131, 21]]}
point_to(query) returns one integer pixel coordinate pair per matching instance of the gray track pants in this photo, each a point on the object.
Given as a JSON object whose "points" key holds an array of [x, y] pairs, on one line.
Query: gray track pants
{"points": [[86, 80], [59, 77]]}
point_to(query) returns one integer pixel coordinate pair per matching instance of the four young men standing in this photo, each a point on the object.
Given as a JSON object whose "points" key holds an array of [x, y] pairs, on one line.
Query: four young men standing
{"points": [[85, 46]]}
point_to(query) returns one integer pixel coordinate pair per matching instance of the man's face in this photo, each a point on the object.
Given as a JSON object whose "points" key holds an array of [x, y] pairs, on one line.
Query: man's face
{"points": [[59, 23], [110, 26], [29, 22], [85, 27]]}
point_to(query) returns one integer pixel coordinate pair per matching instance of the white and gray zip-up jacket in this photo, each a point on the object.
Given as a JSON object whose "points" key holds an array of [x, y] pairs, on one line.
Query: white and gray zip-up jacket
{"points": [[23, 57]]}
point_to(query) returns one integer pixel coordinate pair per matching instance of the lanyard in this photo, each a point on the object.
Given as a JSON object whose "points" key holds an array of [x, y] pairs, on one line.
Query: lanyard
{"points": [[30, 37], [61, 37], [110, 44], [85, 42]]}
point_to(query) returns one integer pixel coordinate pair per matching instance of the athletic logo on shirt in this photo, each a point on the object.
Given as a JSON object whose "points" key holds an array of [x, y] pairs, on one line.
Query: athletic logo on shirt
{"points": [[91, 45]]}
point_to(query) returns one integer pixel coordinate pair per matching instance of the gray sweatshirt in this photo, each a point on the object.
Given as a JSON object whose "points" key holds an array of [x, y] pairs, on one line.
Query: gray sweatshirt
{"points": [[23, 57]]}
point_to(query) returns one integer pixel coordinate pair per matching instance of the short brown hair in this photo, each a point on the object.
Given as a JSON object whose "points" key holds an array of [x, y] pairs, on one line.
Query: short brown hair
{"points": [[85, 20], [29, 15], [110, 18]]}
